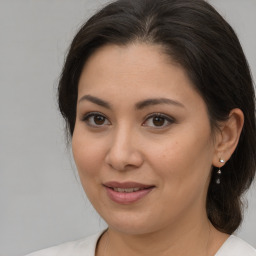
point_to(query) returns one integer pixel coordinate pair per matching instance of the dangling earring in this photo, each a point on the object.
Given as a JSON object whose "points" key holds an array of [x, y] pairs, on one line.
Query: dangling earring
{"points": [[219, 172]]}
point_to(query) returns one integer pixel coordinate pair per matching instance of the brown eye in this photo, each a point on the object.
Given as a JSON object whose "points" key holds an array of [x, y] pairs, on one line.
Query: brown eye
{"points": [[96, 120], [99, 120], [158, 121]]}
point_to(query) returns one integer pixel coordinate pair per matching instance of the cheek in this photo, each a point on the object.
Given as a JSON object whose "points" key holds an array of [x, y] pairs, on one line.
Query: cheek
{"points": [[183, 166], [183, 159], [87, 157], [87, 154]]}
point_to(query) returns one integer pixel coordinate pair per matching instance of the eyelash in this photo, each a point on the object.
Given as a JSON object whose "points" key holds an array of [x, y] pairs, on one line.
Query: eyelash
{"points": [[166, 118], [87, 117]]}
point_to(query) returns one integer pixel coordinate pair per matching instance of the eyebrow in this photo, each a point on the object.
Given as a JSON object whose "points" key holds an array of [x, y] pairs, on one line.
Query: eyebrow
{"points": [[95, 100], [157, 101], [140, 105]]}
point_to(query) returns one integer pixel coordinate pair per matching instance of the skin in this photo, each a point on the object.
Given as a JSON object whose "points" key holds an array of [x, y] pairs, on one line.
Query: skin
{"points": [[175, 154]]}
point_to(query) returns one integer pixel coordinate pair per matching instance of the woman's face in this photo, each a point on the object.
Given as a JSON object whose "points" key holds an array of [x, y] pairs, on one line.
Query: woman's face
{"points": [[142, 141]]}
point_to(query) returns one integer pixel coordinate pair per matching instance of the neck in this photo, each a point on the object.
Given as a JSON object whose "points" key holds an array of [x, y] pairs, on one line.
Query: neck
{"points": [[198, 238]]}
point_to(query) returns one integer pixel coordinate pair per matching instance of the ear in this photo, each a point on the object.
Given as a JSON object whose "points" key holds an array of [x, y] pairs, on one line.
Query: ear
{"points": [[228, 136]]}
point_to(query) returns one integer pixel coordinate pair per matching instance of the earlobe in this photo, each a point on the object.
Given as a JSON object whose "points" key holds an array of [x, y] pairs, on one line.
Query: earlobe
{"points": [[229, 135]]}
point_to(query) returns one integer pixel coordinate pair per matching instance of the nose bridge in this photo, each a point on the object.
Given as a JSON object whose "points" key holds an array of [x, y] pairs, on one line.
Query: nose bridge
{"points": [[124, 135], [123, 150]]}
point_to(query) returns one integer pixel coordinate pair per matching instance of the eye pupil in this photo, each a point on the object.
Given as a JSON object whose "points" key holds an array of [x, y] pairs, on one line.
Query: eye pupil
{"points": [[99, 120], [158, 121]]}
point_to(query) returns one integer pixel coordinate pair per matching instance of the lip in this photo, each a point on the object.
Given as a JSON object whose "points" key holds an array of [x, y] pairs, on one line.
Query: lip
{"points": [[127, 197]]}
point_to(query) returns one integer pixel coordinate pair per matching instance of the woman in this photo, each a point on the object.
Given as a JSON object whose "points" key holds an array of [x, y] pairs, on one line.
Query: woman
{"points": [[159, 104]]}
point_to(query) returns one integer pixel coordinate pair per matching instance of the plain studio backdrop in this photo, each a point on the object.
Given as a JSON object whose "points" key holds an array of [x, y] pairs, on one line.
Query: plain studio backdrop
{"points": [[41, 201]]}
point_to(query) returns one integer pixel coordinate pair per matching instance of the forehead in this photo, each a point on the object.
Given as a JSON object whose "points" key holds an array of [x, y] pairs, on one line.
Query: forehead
{"points": [[137, 70], [134, 58]]}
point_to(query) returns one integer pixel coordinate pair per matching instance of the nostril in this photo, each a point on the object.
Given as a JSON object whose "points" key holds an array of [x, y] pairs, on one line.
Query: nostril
{"points": [[121, 161]]}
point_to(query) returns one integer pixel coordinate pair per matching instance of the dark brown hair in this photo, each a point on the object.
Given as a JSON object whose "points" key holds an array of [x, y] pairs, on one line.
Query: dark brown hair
{"points": [[194, 35]]}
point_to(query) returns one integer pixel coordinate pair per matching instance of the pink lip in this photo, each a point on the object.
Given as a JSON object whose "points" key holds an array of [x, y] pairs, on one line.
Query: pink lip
{"points": [[125, 197]]}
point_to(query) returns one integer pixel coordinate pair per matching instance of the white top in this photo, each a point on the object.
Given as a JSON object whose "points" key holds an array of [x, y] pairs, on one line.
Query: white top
{"points": [[233, 246]]}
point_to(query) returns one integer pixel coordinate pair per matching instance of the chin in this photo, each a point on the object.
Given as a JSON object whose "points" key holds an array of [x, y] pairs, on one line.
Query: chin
{"points": [[130, 223]]}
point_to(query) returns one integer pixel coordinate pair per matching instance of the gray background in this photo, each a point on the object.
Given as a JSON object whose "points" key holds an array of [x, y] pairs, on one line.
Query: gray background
{"points": [[41, 201]]}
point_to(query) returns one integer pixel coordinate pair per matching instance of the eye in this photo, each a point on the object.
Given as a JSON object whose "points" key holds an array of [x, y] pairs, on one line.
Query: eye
{"points": [[158, 120], [96, 119]]}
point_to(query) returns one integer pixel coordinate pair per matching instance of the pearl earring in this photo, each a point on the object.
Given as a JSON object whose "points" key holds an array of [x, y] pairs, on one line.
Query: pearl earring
{"points": [[219, 172]]}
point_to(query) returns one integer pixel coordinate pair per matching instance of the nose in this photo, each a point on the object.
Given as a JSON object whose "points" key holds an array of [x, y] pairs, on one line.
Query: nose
{"points": [[124, 153]]}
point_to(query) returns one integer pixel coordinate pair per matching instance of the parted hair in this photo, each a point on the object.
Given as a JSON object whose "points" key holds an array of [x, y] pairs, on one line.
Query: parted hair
{"points": [[194, 35]]}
